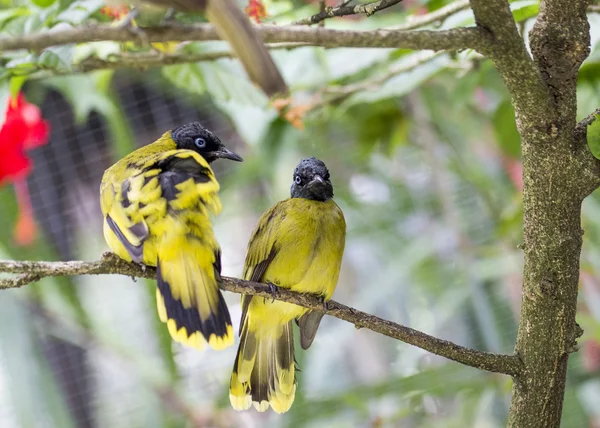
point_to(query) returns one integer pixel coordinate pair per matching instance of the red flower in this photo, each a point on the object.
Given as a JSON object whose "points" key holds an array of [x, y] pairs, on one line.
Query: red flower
{"points": [[23, 129], [256, 10], [115, 12]]}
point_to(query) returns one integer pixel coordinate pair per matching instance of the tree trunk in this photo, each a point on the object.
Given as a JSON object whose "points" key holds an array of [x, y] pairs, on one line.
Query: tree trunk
{"points": [[558, 173], [552, 245]]}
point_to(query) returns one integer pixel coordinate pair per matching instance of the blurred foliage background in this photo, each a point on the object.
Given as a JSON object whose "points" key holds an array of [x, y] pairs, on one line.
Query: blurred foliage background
{"points": [[424, 156]]}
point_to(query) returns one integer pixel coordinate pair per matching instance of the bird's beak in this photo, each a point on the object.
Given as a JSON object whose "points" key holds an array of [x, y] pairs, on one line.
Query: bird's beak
{"points": [[316, 182], [225, 153]]}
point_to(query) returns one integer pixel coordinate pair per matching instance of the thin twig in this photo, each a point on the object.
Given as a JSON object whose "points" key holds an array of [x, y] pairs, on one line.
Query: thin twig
{"points": [[435, 17], [19, 281], [146, 60], [343, 10], [342, 92], [588, 120], [111, 264], [322, 7]]}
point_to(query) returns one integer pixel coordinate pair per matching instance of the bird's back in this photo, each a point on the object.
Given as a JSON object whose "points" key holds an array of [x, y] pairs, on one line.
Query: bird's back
{"points": [[158, 192], [307, 238]]}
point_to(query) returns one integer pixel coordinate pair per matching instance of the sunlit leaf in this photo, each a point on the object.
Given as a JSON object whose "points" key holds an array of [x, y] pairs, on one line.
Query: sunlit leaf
{"points": [[16, 83], [43, 3], [593, 137], [524, 9]]}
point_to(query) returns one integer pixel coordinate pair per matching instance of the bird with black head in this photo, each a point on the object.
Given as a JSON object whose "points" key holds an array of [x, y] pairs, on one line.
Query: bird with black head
{"points": [[297, 244], [157, 204]]}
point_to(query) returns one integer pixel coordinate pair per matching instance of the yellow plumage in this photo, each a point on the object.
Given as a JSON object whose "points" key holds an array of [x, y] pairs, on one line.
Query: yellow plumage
{"points": [[157, 203], [297, 244]]}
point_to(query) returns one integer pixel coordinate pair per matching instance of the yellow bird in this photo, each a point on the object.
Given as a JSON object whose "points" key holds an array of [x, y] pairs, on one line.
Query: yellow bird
{"points": [[157, 203], [297, 244]]}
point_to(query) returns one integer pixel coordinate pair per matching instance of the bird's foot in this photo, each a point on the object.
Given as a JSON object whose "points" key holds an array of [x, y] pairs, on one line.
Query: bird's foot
{"points": [[169, 18], [273, 289], [324, 302], [129, 24], [128, 21]]}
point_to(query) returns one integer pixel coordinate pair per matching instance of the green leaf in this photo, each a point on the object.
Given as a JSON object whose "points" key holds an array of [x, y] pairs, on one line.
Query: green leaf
{"points": [[378, 126], [526, 9], [593, 137], [185, 76], [223, 80], [79, 11], [16, 83], [94, 98], [22, 66], [505, 128], [57, 58], [43, 3], [8, 14]]}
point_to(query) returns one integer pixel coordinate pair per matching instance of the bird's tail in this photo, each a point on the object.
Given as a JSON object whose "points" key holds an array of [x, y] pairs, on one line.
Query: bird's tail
{"points": [[263, 373], [188, 297]]}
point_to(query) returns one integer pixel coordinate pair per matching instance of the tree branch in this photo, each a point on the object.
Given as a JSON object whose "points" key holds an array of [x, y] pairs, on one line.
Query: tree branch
{"points": [[111, 264], [509, 54], [147, 60], [343, 10], [454, 39], [588, 120]]}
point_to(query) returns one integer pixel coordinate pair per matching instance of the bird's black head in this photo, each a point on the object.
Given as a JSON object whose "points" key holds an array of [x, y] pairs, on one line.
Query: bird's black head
{"points": [[194, 136], [311, 181]]}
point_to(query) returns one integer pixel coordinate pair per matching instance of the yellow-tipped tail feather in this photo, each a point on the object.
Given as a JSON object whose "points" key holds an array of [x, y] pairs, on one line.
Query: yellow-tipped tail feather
{"points": [[188, 297], [264, 372]]}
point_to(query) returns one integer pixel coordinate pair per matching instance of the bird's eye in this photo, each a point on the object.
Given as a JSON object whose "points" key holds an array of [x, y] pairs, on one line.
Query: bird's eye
{"points": [[200, 142], [326, 176], [298, 180]]}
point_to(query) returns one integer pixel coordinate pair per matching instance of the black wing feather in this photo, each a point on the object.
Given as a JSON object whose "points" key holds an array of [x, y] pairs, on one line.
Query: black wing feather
{"points": [[135, 251], [257, 276]]}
